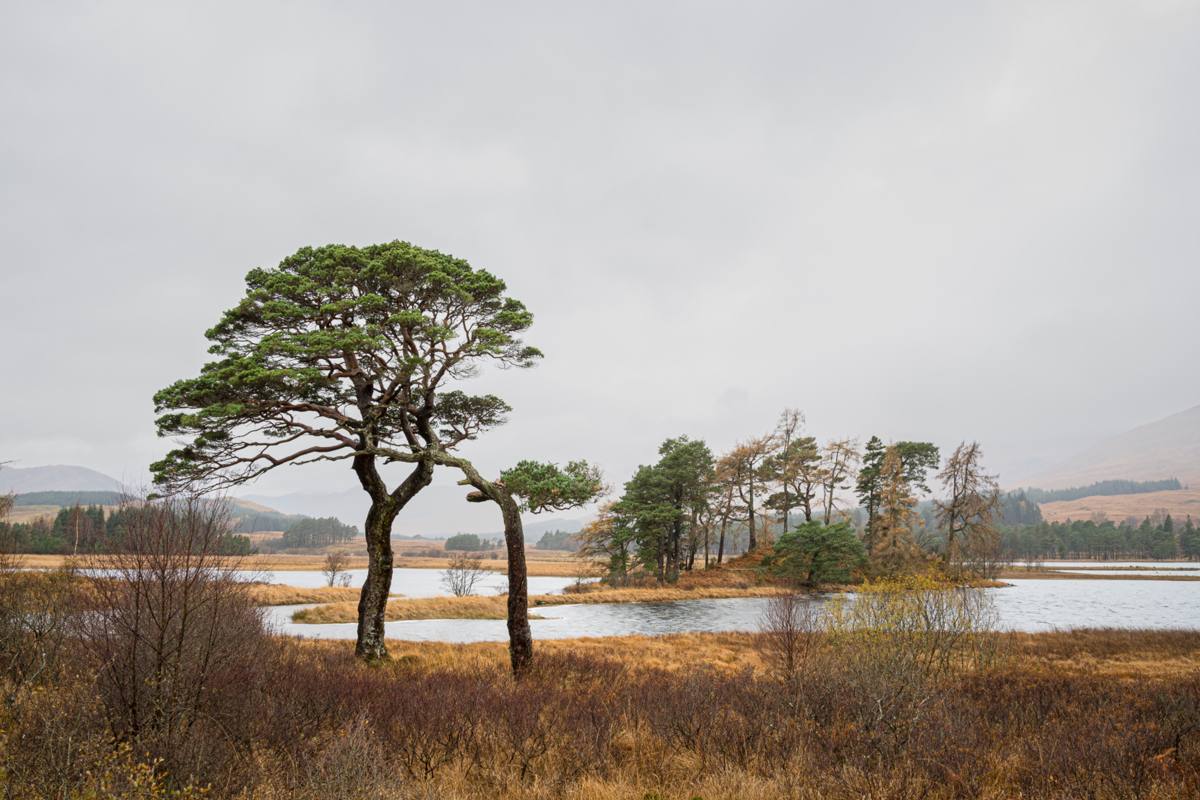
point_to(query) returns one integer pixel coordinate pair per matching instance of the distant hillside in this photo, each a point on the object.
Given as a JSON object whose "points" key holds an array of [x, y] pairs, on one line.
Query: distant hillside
{"points": [[248, 517], [1168, 447], [57, 478], [68, 499], [1101, 489], [437, 512], [1180, 504]]}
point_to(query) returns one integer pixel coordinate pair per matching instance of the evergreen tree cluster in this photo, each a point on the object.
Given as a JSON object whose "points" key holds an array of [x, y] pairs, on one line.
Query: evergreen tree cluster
{"points": [[1154, 538], [558, 540], [317, 532], [81, 530], [1101, 489], [468, 542]]}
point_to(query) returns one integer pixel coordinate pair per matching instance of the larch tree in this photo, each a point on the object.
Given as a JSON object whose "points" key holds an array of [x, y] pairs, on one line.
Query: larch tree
{"points": [[969, 512], [745, 467], [799, 475], [838, 459], [346, 354], [780, 464], [721, 501], [892, 545]]}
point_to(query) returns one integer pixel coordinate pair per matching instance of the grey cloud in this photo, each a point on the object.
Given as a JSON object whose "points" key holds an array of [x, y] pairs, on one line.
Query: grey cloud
{"points": [[922, 220]]}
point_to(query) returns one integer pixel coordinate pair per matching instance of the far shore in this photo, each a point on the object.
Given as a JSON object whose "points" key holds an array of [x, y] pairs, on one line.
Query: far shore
{"points": [[1095, 575], [288, 562]]}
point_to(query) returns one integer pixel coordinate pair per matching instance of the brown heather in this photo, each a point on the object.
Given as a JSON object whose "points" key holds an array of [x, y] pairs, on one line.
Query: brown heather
{"points": [[1102, 714]]}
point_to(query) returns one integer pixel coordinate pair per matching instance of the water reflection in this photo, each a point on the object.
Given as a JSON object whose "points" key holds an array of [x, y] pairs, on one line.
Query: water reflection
{"points": [[1028, 605]]}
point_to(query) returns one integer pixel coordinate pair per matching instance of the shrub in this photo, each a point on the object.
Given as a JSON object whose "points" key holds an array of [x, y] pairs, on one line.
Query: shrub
{"points": [[814, 553], [461, 576], [178, 644]]}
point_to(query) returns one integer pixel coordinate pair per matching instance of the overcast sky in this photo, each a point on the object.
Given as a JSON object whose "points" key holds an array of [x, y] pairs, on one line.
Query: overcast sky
{"points": [[927, 221]]}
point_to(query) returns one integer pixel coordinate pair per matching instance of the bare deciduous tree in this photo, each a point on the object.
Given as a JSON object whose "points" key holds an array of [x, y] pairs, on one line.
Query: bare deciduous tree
{"points": [[9, 559], [838, 460], [967, 515], [743, 469], [175, 633], [792, 626], [38, 612], [461, 577], [335, 569]]}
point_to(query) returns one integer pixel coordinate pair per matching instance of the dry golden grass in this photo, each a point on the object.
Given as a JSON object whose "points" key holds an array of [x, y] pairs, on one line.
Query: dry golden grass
{"points": [[494, 607], [31, 513], [1179, 503], [260, 537], [271, 594], [1123, 654], [1118, 654], [263, 594], [730, 652]]}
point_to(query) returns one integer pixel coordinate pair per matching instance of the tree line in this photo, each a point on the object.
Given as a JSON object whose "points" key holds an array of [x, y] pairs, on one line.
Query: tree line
{"points": [[685, 510], [1156, 537], [1102, 488], [469, 542], [317, 532], [80, 530]]}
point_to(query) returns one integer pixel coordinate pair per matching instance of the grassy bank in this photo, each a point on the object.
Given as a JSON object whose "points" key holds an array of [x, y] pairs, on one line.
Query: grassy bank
{"points": [[493, 607], [1116, 653], [487, 607], [270, 594]]}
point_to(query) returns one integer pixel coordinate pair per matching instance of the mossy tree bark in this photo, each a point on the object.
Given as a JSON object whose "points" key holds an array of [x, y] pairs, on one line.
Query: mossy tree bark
{"points": [[372, 603], [520, 637]]}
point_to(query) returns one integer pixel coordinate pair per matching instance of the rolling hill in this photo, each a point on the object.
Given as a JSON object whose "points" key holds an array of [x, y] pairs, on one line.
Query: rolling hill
{"points": [[1180, 504], [1168, 448], [56, 478], [42, 491], [437, 512]]}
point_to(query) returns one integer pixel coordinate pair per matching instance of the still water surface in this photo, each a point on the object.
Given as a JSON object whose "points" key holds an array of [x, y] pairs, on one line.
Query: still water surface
{"points": [[408, 582], [1028, 605]]}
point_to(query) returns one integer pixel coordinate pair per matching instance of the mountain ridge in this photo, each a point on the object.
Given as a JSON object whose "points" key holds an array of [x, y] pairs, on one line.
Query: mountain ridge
{"points": [[56, 478], [1165, 448]]}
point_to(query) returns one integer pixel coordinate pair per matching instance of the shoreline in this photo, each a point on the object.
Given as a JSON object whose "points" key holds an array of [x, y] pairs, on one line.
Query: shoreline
{"points": [[536, 568]]}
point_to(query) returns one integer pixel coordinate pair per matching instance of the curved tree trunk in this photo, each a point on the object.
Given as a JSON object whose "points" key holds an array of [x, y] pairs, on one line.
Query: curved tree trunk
{"points": [[372, 603], [520, 638]]}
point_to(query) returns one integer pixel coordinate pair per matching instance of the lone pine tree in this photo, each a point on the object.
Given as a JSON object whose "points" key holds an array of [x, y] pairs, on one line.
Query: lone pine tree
{"points": [[347, 354]]}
